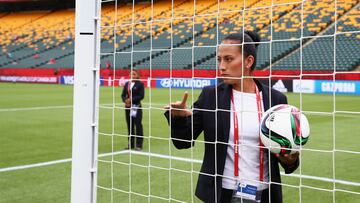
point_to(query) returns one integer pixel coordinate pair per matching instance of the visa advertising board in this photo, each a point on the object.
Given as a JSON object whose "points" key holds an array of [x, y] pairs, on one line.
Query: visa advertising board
{"points": [[69, 80]]}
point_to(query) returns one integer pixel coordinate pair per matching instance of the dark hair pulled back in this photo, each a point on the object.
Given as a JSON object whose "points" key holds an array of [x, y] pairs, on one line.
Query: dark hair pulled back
{"points": [[249, 40]]}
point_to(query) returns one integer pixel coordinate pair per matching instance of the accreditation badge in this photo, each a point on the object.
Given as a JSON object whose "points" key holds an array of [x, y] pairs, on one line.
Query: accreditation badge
{"points": [[246, 192], [133, 111]]}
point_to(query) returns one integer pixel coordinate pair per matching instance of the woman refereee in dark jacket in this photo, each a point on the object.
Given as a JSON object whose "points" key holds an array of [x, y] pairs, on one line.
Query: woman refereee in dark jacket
{"points": [[236, 167]]}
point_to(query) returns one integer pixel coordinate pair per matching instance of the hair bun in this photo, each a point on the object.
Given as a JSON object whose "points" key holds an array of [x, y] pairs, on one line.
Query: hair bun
{"points": [[254, 36]]}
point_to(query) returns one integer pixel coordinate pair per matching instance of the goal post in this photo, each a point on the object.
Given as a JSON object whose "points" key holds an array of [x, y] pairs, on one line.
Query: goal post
{"points": [[86, 100]]}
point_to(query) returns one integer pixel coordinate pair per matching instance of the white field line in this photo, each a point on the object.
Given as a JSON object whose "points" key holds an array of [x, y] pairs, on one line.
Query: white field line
{"points": [[15, 168], [344, 182], [36, 108], [153, 105], [59, 107]]}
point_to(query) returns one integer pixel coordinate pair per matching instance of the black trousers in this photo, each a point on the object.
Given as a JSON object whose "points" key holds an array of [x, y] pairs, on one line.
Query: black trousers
{"points": [[226, 196], [134, 122]]}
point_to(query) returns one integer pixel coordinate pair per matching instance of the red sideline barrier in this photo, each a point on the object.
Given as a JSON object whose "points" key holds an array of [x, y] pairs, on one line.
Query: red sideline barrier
{"points": [[314, 75], [276, 74], [26, 72], [162, 73]]}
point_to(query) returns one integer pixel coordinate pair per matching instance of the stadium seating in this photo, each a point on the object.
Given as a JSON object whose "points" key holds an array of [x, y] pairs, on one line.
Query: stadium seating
{"points": [[319, 54], [156, 33], [48, 31], [317, 16], [161, 33]]}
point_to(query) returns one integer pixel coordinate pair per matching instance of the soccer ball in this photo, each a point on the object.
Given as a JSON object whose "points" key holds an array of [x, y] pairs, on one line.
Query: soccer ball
{"points": [[283, 129]]}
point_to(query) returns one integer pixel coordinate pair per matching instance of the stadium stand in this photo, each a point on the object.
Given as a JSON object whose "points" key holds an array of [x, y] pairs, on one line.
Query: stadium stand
{"points": [[319, 54], [37, 36], [46, 39], [316, 20], [10, 27]]}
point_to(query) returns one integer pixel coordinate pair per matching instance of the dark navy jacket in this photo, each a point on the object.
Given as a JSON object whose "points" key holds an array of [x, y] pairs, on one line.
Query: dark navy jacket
{"points": [[137, 92], [186, 129]]}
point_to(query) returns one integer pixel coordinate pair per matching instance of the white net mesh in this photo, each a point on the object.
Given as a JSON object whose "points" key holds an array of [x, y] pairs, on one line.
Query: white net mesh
{"points": [[306, 47]]}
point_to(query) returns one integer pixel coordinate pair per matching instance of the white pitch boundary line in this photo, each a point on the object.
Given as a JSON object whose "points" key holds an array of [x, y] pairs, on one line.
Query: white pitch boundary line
{"points": [[344, 182], [154, 105], [35, 108], [56, 107], [53, 162], [15, 168]]}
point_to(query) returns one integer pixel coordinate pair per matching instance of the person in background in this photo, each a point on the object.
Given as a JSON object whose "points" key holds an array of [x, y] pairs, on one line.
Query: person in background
{"points": [[132, 95]]}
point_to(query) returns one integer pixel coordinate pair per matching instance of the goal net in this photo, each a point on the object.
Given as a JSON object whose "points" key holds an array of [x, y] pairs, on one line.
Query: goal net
{"points": [[308, 51]]}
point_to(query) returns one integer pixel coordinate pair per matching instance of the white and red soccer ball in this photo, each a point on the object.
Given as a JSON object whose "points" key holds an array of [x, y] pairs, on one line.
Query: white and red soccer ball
{"points": [[283, 129]]}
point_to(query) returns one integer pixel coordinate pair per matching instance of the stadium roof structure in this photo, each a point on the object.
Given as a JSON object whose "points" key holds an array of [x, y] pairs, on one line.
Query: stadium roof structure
{"points": [[29, 5]]}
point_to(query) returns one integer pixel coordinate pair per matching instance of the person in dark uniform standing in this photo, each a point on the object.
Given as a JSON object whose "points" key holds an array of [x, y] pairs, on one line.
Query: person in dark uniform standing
{"points": [[236, 167], [132, 95]]}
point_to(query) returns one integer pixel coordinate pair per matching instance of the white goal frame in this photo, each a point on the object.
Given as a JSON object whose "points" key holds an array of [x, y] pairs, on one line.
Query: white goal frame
{"points": [[86, 101]]}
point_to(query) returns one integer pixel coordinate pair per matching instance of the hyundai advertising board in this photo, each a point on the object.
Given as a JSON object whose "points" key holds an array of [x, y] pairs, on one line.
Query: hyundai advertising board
{"points": [[196, 83]]}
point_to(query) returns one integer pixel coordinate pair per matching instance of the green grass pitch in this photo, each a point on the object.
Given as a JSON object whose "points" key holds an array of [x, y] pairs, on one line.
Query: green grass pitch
{"points": [[35, 135]]}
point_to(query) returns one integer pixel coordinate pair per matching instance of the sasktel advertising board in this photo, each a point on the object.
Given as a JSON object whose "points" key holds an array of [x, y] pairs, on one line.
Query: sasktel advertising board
{"points": [[196, 83]]}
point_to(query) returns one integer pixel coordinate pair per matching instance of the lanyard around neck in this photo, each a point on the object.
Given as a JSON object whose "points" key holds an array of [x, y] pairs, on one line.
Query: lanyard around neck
{"points": [[129, 89], [236, 136]]}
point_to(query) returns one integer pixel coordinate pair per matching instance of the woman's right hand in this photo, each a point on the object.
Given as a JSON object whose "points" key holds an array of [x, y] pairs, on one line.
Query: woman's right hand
{"points": [[178, 108]]}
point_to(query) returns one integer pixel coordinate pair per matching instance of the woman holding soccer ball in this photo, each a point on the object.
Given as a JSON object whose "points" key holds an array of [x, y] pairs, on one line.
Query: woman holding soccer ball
{"points": [[236, 166]]}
